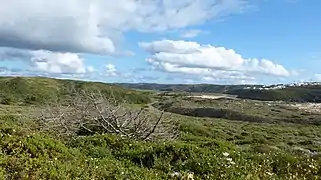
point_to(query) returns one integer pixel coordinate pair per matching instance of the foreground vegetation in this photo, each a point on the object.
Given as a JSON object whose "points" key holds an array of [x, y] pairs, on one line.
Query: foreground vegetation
{"points": [[206, 148]]}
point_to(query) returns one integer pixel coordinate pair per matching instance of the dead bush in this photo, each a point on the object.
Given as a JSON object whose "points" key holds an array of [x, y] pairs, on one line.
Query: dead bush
{"points": [[90, 113]]}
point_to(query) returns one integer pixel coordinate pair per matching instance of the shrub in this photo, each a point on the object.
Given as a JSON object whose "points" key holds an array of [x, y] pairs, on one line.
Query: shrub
{"points": [[5, 100], [91, 113]]}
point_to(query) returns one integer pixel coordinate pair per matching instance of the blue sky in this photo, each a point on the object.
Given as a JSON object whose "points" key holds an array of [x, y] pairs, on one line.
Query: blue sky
{"points": [[163, 41]]}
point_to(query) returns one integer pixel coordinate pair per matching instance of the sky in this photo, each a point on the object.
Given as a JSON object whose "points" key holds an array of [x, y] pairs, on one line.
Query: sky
{"points": [[162, 41]]}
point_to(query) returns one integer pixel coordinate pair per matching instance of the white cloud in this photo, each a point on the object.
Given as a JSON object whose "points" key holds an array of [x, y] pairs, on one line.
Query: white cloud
{"points": [[95, 26], [59, 63], [192, 33], [90, 69], [229, 80], [46, 61], [193, 58], [110, 70], [4, 71]]}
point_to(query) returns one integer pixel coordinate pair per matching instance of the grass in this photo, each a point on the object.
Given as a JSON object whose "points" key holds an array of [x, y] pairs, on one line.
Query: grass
{"points": [[208, 148], [240, 109], [256, 151], [246, 136]]}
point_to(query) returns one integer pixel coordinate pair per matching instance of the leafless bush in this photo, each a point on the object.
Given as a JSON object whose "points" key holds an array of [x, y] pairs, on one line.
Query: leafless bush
{"points": [[90, 113]]}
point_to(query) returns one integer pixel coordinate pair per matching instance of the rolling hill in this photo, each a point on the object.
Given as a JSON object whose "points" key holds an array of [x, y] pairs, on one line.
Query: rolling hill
{"points": [[304, 93], [38, 90], [197, 88], [291, 94]]}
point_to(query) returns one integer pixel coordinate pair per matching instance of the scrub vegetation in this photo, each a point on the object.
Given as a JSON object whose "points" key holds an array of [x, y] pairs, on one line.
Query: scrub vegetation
{"points": [[62, 129]]}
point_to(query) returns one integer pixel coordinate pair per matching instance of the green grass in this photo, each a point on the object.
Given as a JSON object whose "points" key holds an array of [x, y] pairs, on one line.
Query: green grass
{"points": [[246, 136], [208, 148], [240, 109], [256, 151]]}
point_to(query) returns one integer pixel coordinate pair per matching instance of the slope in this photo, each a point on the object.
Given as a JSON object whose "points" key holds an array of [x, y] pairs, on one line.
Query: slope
{"points": [[39, 90]]}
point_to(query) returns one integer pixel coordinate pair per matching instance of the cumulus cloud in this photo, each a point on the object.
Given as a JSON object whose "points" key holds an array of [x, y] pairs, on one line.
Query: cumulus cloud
{"points": [[46, 61], [204, 74], [193, 58], [60, 63], [4, 71], [228, 80], [110, 70], [91, 69], [93, 26]]}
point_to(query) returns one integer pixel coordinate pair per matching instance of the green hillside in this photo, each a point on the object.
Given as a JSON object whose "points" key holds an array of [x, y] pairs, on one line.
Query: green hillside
{"points": [[310, 93], [198, 88], [292, 94], [37, 90]]}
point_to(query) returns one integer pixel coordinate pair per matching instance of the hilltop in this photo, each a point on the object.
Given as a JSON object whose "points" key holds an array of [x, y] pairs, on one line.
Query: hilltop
{"points": [[39, 90]]}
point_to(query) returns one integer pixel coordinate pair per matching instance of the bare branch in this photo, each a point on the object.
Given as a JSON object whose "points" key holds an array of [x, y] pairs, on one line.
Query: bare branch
{"points": [[91, 113]]}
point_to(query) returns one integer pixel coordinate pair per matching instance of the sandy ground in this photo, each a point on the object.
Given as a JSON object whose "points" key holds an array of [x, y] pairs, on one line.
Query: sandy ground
{"points": [[310, 107], [210, 96]]}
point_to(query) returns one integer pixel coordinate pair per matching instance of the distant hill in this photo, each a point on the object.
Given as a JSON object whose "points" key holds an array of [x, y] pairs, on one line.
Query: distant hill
{"points": [[38, 90], [302, 93], [198, 88], [292, 94]]}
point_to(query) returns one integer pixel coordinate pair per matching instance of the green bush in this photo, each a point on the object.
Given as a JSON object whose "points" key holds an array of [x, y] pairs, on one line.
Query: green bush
{"points": [[38, 156], [6, 100]]}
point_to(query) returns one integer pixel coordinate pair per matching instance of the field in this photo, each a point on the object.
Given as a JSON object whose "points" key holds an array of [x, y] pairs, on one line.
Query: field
{"points": [[219, 138]]}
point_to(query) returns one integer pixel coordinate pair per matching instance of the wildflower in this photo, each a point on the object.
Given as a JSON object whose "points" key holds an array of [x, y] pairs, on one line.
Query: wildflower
{"points": [[190, 176], [311, 166], [229, 159], [226, 154], [268, 173], [176, 174]]}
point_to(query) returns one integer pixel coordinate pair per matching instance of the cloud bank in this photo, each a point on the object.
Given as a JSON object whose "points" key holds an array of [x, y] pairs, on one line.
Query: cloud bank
{"points": [[192, 58], [92, 26], [53, 36]]}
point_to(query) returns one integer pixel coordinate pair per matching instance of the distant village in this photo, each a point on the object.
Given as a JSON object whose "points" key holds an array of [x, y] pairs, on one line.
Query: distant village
{"points": [[282, 86]]}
